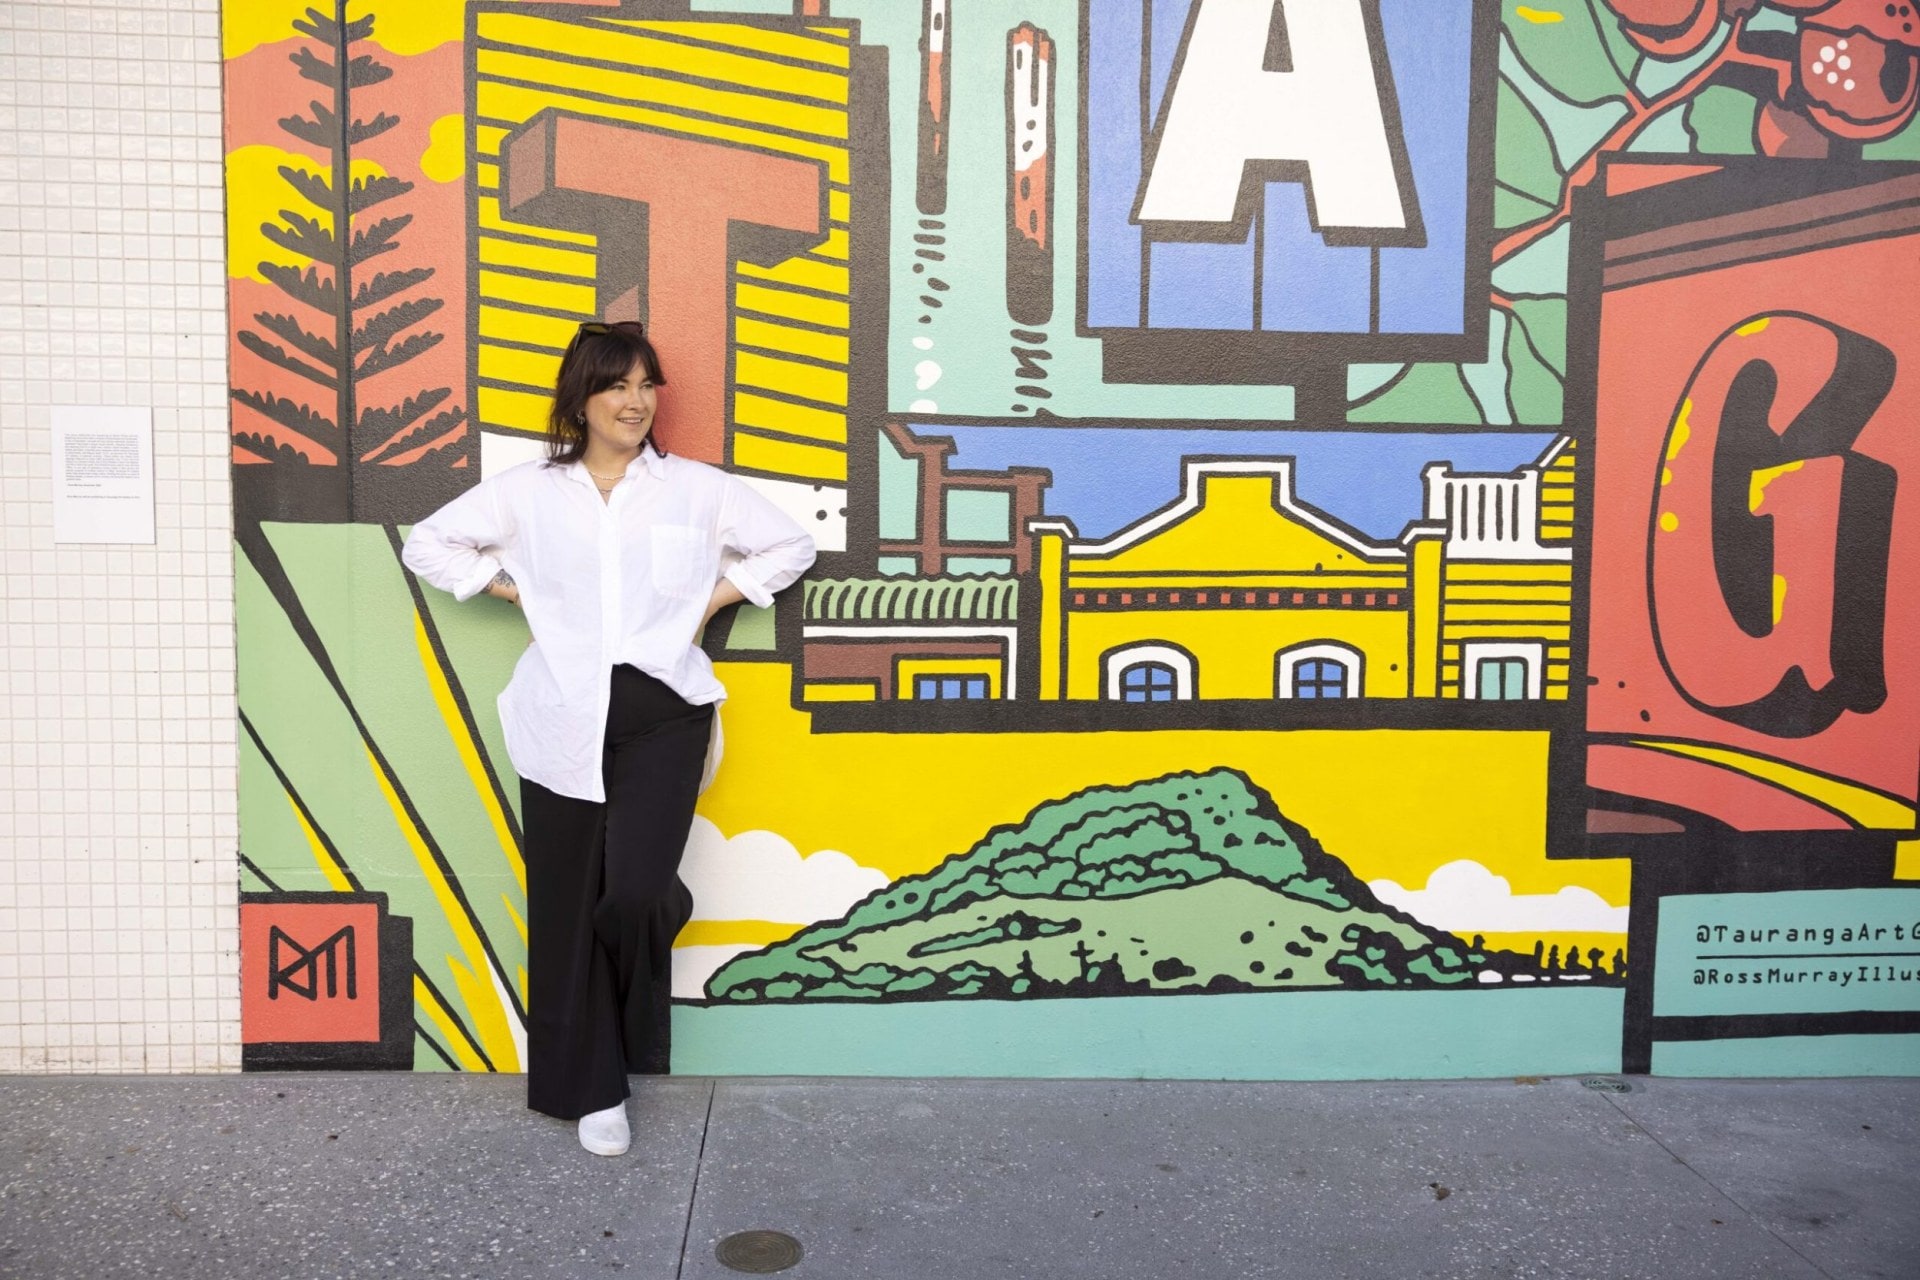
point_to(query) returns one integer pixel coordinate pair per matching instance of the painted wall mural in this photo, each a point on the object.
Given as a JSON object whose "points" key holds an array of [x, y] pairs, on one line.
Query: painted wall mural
{"points": [[1359, 537]]}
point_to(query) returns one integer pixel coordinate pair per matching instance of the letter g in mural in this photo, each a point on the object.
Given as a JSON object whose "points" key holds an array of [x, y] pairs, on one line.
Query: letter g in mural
{"points": [[1771, 533], [1753, 570]]}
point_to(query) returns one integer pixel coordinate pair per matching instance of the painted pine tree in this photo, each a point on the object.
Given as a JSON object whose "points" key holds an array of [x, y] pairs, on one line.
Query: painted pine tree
{"points": [[351, 321]]}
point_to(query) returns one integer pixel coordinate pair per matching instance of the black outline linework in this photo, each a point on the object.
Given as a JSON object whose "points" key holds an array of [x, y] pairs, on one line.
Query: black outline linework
{"points": [[936, 122], [355, 886], [745, 244], [1313, 363], [1255, 175], [1729, 188], [1027, 713], [265, 561], [396, 1025], [1682, 851], [1029, 289], [1834, 418]]}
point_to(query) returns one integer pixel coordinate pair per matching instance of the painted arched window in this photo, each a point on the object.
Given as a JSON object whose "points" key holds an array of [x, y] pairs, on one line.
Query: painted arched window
{"points": [[1147, 682], [1149, 673], [1318, 671]]}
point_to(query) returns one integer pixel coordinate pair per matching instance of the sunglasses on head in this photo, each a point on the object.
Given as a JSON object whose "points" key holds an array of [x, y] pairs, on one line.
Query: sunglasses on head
{"points": [[600, 328]]}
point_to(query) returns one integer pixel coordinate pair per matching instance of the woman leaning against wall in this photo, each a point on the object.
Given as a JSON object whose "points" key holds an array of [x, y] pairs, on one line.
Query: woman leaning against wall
{"points": [[619, 553]]}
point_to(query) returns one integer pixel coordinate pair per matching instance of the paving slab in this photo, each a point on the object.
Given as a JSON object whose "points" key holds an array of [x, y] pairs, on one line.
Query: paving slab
{"points": [[974, 1180], [316, 1176], [1830, 1167]]}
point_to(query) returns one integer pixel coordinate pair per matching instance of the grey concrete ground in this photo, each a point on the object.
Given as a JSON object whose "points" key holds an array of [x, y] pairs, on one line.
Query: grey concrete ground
{"points": [[314, 1176]]}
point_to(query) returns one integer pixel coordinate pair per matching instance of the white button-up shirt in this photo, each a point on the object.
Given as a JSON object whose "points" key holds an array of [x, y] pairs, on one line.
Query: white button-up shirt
{"points": [[604, 583]]}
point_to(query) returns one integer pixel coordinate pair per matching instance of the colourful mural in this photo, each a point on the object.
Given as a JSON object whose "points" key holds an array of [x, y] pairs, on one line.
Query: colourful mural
{"points": [[1359, 537]]}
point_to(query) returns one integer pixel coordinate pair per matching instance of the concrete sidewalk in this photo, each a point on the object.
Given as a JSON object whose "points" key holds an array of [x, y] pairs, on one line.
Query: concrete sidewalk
{"points": [[315, 1176]]}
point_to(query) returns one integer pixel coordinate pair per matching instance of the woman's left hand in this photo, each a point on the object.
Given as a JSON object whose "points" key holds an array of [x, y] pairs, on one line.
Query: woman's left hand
{"points": [[724, 594]]}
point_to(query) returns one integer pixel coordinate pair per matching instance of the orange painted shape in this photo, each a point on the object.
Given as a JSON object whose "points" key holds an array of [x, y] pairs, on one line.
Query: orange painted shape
{"points": [[1622, 178], [309, 972], [695, 193]]}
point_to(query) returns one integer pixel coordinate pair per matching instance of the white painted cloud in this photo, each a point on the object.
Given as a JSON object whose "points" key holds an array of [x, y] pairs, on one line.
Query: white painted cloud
{"points": [[692, 966], [925, 374], [758, 875], [1465, 897]]}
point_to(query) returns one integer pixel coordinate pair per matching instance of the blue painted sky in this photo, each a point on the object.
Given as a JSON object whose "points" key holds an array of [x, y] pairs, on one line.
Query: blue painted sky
{"points": [[1105, 478]]}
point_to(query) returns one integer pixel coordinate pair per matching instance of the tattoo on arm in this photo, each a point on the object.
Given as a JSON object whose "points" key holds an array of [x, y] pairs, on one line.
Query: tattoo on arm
{"points": [[501, 581]]}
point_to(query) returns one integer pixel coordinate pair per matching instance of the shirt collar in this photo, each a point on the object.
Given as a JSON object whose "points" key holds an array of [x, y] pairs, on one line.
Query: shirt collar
{"points": [[655, 461]]}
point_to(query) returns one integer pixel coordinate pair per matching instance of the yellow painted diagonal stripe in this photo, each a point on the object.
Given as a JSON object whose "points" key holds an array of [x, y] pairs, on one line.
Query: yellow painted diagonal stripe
{"points": [[551, 295], [1863, 806], [635, 86], [523, 326], [511, 364], [790, 419], [804, 273], [515, 102], [786, 458], [463, 742], [639, 47], [758, 933], [791, 306], [520, 926], [478, 993], [495, 252], [789, 340], [810, 382], [781, 44], [329, 865], [521, 411], [450, 1028]]}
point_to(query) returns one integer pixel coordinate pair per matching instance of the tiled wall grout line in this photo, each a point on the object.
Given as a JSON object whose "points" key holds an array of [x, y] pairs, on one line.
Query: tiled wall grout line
{"points": [[118, 819]]}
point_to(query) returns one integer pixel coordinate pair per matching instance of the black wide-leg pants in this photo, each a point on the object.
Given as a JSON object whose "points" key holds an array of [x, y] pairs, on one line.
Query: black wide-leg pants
{"points": [[605, 900]]}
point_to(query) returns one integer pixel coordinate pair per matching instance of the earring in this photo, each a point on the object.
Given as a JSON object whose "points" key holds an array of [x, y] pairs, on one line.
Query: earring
{"points": [[580, 419]]}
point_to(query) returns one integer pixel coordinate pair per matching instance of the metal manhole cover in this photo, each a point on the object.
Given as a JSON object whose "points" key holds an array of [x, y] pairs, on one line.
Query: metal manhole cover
{"points": [[1600, 1084], [758, 1252]]}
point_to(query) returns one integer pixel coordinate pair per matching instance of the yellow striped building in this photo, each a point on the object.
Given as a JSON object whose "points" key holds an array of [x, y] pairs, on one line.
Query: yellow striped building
{"points": [[1239, 590], [780, 87]]}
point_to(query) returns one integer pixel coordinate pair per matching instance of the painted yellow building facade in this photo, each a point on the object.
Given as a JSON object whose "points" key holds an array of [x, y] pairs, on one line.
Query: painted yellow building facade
{"points": [[1240, 591]]}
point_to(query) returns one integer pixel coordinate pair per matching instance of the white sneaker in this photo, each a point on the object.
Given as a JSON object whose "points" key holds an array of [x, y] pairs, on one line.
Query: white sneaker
{"points": [[605, 1133]]}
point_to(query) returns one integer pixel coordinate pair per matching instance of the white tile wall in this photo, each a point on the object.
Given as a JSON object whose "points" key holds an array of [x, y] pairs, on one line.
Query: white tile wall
{"points": [[118, 867]]}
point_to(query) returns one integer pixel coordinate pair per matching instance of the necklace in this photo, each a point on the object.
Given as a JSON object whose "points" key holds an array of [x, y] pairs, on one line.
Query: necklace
{"points": [[597, 476]]}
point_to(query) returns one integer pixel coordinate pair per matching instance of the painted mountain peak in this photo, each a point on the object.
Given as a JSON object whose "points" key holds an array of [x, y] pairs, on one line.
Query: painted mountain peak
{"points": [[1189, 882]]}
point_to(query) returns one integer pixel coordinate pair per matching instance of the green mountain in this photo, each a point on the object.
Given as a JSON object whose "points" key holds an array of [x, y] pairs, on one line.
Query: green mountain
{"points": [[1189, 882]]}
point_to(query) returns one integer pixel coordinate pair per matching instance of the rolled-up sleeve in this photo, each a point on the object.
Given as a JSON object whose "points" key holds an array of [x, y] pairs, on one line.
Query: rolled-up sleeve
{"points": [[773, 550], [456, 548]]}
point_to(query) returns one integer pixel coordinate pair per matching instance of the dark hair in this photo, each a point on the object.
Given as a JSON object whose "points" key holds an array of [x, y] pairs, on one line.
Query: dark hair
{"points": [[599, 356]]}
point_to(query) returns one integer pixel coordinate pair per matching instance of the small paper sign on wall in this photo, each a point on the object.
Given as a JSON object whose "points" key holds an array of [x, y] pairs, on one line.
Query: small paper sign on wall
{"points": [[102, 474]]}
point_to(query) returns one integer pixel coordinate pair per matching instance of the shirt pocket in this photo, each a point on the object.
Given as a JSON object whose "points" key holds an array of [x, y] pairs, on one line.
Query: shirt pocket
{"points": [[682, 561]]}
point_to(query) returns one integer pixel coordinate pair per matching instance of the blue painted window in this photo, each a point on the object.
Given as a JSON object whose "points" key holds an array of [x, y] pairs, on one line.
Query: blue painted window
{"points": [[1320, 678], [1502, 679], [944, 688], [1148, 682]]}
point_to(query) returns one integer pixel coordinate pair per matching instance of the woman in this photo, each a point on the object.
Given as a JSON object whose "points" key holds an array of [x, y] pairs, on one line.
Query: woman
{"points": [[618, 553]]}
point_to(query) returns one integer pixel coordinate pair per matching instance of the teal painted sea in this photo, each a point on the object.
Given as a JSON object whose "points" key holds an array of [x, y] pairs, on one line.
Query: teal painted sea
{"points": [[1283, 1035]]}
